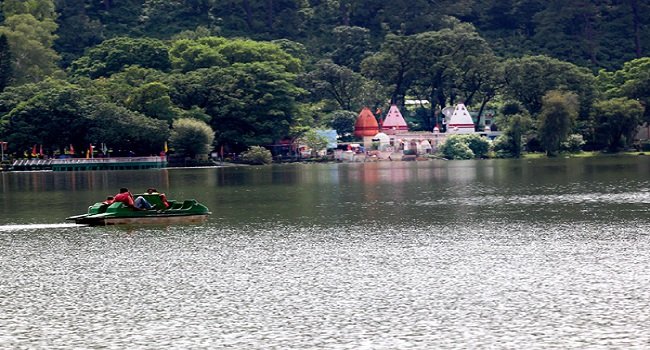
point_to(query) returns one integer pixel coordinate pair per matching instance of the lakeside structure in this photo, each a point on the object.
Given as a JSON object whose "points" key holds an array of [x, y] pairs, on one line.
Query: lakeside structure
{"points": [[81, 164], [391, 138]]}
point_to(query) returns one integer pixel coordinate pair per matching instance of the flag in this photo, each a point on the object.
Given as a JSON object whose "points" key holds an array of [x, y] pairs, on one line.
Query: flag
{"points": [[41, 151], [91, 151], [34, 151], [165, 147], [71, 149], [4, 145]]}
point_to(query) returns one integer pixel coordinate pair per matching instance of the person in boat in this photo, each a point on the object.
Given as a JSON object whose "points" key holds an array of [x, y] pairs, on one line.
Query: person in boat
{"points": [[127, 198], [109, 200], [162, 196]]}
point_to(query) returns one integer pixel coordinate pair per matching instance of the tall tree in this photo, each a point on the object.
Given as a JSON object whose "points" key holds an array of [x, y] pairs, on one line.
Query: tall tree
{"points": [[559, 111], [31, 43], [617, 120], [393, 66], [529, 78]]}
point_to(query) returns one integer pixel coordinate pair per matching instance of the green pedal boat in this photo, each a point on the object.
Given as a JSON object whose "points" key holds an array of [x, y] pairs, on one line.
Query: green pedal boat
{"points": [[100, 214]]}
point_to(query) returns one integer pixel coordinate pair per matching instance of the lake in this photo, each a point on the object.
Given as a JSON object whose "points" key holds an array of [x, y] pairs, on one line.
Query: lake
{"points": [[531, 254]]}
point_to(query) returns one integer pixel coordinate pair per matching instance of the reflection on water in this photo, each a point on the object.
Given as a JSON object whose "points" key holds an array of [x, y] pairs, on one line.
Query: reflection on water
{"points": [[490, 254]]}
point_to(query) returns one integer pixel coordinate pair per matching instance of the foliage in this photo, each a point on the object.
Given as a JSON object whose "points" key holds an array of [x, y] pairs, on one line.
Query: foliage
{"points": [[77, 31], [479, 145], [515, 122], [352, 43], [5, 62], [529, 78], [343, 122], [573, 143], [257, 155], [314, 141], [30, 41], [125, 130], [152, 100], [113, 55], [188, 55], [456, 147], [349, 90], [503, 146], [191, 137], [632, 81], [250, 104], [617, 121], [559, 111], [57, 114]]}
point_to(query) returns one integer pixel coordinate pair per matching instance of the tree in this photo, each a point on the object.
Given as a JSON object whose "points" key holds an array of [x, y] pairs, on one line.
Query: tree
{"points": [[5, 62], [343, 122], [257, 155], [393, 66], [55, 117], [455, 147], [559, 112], [152, 99], [31, 40], [188, 55], [451, 64], [125, 130], [333, 82], [250, 104], [632, 81], [76, 30], [617, 121], [314, 141], [113, 55], [515, 121], [529, 78], [191, 137], [352, 43]]}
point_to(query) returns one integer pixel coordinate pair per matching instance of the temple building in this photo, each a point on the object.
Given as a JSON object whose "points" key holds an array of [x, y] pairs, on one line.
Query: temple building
{"points": [[394, 122], [460, 121], [366, 124], [391, 139]]}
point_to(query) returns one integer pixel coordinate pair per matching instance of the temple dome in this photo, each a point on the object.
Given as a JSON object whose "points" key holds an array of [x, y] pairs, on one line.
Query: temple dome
{"points": [[366, 124]]}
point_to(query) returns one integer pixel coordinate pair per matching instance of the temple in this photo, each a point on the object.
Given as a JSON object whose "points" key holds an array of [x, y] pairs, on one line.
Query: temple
{"points": [[392, 139]]}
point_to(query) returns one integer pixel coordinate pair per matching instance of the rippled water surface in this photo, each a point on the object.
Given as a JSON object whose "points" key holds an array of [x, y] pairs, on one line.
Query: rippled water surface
{"points": [[488, 254]]}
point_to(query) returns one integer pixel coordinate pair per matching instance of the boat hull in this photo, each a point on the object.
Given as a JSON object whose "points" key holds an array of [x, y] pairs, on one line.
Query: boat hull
{"points": [[155, 220]]}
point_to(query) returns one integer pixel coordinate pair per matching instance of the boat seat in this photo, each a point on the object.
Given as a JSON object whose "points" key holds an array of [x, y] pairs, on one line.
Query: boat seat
{"points": [[189, 203]]}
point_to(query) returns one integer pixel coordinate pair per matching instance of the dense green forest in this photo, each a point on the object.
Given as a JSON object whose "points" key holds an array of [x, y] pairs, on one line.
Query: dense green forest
{"points": [[129, 73]]}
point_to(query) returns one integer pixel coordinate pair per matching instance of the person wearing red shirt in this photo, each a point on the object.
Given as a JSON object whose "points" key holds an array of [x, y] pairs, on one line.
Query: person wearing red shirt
{"points": [[127, 198], [162, 196]]}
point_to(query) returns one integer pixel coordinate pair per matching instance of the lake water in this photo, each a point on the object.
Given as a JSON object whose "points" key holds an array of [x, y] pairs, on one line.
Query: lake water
{"points": [[394, 255]]}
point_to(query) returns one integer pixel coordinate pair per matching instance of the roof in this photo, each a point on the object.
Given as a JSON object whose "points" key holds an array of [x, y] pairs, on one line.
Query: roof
{"points": [[366, 124], [394, 120], [460, 118]]}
